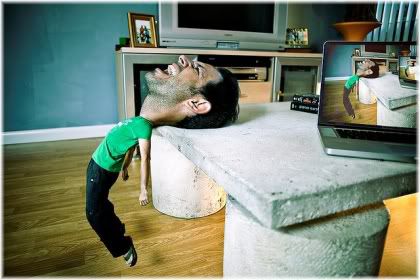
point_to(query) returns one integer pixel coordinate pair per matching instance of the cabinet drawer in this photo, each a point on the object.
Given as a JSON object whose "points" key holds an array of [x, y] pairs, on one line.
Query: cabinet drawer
{"points": [[255, 92]]}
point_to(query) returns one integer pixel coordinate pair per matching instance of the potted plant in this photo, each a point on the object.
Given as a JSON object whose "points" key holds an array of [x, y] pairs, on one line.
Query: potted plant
{"points": [[359, 20]]}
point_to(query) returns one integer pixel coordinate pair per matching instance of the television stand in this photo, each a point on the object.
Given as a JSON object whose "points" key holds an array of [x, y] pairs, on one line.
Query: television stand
{"points": [[227, 45], [131, 63]]}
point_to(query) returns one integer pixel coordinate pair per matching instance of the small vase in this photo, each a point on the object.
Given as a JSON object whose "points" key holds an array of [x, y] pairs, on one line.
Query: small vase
{"points": [[405, 52], [357, 30]]}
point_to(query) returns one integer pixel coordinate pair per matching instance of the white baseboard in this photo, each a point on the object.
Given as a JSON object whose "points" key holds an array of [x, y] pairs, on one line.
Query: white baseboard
{"points": [[55, 134], [337, 78]]}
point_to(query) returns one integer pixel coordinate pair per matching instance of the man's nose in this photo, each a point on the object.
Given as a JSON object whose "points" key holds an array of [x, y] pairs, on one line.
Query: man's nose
{"points": [[184, 61]]}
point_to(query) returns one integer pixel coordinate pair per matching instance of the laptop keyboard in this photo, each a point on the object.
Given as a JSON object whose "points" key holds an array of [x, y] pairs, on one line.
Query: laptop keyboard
{"points": [[377, 136]]}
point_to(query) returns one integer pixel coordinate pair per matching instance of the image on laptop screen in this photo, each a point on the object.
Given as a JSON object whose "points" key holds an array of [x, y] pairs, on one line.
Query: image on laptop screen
{"points": [[407, 71], [362, 84]]}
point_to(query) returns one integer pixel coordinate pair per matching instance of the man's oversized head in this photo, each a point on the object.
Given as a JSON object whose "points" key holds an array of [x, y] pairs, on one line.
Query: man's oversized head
{"points": [[215, 90]]}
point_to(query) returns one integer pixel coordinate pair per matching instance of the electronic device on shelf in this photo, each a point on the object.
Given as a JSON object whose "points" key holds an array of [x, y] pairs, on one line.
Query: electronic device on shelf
{"points": [[383, 128], [256, 26], [408, 71], [244, 68], [249, 74]]}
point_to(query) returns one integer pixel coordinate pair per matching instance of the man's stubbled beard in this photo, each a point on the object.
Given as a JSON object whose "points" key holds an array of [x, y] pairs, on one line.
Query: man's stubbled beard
{"points": [[164, 94]]}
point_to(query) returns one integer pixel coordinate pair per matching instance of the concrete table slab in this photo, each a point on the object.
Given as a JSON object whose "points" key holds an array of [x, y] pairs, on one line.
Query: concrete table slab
{"points": [[272, 163], [401, 117], [180, 188], [346, 244], [389, 91], [397, 106], [366, 95]]}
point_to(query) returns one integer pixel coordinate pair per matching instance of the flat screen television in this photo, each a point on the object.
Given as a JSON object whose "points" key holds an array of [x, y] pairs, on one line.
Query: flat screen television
{"points": [[375, 50], [247, 26]]}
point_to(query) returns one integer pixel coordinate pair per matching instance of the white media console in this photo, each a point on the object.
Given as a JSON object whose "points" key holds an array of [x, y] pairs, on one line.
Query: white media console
{"points": [[129, 61]]}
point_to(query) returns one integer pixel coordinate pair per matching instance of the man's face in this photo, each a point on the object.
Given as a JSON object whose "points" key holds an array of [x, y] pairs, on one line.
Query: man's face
{"points": [[363, 68], [176, 82], [366, 64]]}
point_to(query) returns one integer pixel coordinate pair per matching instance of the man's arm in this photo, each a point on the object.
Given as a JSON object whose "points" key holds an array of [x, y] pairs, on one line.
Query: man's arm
{"points": [[127, 160], [350, 83], [145, 169]]}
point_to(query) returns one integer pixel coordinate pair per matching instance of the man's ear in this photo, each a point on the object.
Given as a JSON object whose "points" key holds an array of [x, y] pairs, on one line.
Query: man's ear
{"points": [[198, 105]]}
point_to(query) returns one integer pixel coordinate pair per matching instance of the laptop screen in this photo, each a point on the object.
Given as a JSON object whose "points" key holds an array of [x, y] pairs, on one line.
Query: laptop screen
{"points": [[362, 84], [407, 69]]}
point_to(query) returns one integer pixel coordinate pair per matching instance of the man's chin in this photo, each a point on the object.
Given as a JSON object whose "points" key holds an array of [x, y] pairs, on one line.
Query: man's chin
{"points": [[155, 85], [149, 77]]}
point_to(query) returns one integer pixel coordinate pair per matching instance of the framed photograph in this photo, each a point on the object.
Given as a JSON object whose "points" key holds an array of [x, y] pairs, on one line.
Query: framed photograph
{"points": [[142, 30], [297, 37]]}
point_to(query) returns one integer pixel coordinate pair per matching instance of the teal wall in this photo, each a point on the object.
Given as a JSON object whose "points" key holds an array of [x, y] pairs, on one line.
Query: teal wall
{"points": [[338, 62], [59, 63], [319, 19]]}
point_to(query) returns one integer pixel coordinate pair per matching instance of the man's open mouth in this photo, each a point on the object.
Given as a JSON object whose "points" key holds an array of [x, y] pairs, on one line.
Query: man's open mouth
{"points": [[172, 70]]}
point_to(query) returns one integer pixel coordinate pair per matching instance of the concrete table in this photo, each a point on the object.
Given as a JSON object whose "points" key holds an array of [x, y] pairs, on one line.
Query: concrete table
{"points": [[366, 95], [284, 190], [397, 106], [180, 188]]}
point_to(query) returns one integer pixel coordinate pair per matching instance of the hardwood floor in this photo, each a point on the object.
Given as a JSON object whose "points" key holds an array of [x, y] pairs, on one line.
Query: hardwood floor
{"points": [[46, 232], [334, 108], [400, 252]]}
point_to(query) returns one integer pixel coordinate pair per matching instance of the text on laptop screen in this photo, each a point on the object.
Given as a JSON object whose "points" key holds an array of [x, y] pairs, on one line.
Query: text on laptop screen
{"points": [[364, 87]]}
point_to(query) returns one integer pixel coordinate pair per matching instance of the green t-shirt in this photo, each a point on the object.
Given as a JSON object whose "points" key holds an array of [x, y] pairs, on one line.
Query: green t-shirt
{"points": [[111, 152], [350, 82]]}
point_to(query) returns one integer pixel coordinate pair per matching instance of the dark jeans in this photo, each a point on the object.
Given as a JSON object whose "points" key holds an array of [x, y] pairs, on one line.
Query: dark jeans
{"points": [[100, 211], [346, 102]]}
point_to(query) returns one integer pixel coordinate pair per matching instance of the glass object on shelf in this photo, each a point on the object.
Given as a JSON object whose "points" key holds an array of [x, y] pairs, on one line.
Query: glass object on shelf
{"points": [[297, 80]]}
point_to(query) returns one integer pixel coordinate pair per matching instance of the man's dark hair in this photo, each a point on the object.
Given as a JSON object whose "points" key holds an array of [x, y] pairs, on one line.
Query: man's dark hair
{"points": [[375, 70], [223, 97]]}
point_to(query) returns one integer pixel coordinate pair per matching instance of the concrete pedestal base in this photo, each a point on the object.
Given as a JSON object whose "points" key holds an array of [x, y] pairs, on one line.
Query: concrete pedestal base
{"points": [[346, 244], [366, 96], [400, 117], [180, 188]]}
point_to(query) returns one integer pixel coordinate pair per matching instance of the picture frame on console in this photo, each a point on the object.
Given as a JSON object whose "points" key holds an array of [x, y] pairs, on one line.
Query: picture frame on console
{"points": [[142, 30], [297, 37]]}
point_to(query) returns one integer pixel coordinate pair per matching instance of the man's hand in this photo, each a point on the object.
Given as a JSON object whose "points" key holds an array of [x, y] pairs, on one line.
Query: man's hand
{"points": [[143, 198], [144, 170], [127, 160], [124, 174]]}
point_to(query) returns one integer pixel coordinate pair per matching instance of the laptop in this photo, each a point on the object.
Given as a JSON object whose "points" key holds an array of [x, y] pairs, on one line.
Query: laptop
{"points": [[407, 71], [370, 116]]}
